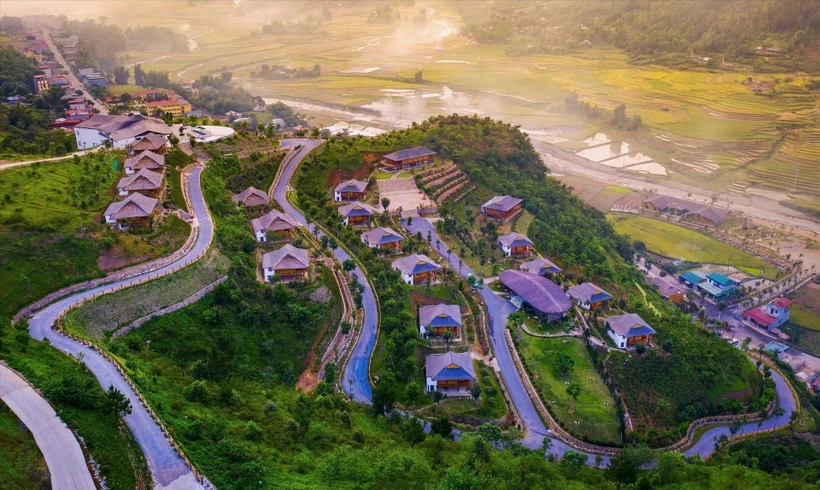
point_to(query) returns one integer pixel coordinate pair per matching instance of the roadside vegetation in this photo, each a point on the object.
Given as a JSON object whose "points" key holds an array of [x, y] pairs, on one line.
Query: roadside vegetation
{"points": [[98, 319], [22, 465], [659, 386], [80, 402]]}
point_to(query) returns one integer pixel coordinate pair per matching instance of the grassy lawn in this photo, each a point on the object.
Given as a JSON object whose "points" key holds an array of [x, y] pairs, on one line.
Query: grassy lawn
{"points": [[681, 243], [22, 465], [98, 319], [592, 419], [523, 222], [805, 310], [176, 195]]}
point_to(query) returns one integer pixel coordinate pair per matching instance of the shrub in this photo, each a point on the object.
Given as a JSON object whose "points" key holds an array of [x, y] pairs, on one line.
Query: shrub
{"points": [[197, 391]]}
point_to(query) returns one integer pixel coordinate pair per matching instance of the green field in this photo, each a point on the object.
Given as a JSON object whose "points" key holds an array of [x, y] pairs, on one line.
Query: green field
{"points": [[681, 243], [98, 319], [595, 417], [22, 465]]}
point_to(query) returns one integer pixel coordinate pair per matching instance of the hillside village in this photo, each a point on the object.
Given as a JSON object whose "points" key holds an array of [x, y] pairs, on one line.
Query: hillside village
{"points": [[416, 308]]}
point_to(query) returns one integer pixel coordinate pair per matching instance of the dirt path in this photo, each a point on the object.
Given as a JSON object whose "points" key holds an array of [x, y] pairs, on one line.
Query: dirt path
{"points": [[309, 379]]}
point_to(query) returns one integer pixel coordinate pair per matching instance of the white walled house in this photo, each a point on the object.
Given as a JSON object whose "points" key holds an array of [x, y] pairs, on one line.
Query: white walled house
{"points": [[122, 131], [772, 316]]}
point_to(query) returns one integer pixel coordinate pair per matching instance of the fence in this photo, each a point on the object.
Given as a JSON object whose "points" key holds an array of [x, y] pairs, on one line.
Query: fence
{"points": [[182, 254], [169, 309]]}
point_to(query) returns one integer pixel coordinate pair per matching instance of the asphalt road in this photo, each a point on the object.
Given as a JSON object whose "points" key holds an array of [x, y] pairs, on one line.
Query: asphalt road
{"points": [[73, 82], [706, 444], [63, 454], [498, 310], [356, 378], [167, 468]]}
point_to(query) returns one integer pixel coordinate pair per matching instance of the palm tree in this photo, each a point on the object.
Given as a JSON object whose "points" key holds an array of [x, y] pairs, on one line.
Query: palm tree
{"points": [[447, 337], [777, 413]]}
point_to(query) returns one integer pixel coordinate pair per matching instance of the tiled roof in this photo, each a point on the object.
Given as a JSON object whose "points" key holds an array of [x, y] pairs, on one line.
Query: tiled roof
{"points": [[449, 366], [151, 141], [351, 185], [665, 287], [415, 264], [145, 159], [125, 127], [251, 197], [514, 239], [355, 208], [629, 325], [419, 151], [760, 317], [287, 257], [134, 206], [440, 315], [501, 203], [782, 302], [540, 266], [588, 293], [541, 293], [381, 236], [712, 213], [144, 180], [273, 221]]}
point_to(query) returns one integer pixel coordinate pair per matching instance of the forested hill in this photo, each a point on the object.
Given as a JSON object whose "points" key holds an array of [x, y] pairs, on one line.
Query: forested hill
{"points": [[645, 28]]}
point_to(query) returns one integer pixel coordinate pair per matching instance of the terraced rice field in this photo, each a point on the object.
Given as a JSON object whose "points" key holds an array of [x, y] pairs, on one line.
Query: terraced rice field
{"points": [[99, 318], [702, 126], [681, 243]]}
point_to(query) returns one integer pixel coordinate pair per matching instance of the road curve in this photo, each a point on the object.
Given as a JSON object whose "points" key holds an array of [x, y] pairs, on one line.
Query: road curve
{"points": [[356, 378], [167, 468], [63, 454], [499, 309]]}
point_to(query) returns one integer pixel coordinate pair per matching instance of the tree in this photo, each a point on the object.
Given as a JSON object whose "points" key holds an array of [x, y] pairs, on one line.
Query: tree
{"points": [[419, 76], [348, 265], [413, 393], [745, 344], [303, 412], [599, 460], [623, 468], [442, 426], [383, 397], [640, 348], [490, 432], [438, 395], [480, 449], [447, 337], [574, 459], [574, 390], [734, 427], [116, 404], [413, 431], [563, 363], [385, 203], [475, 392], [121, 75], [546, 444], [778, 412]]}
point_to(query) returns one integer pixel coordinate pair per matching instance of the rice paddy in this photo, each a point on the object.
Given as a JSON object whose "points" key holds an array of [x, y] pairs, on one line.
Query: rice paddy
{"points": [[681, 243], [699, 126]]}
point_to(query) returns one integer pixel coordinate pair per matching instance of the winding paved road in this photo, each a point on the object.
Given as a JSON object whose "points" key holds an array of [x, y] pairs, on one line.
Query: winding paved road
{"points": [[63, 454], [167, 468], [358, 367], [499, 309]]}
